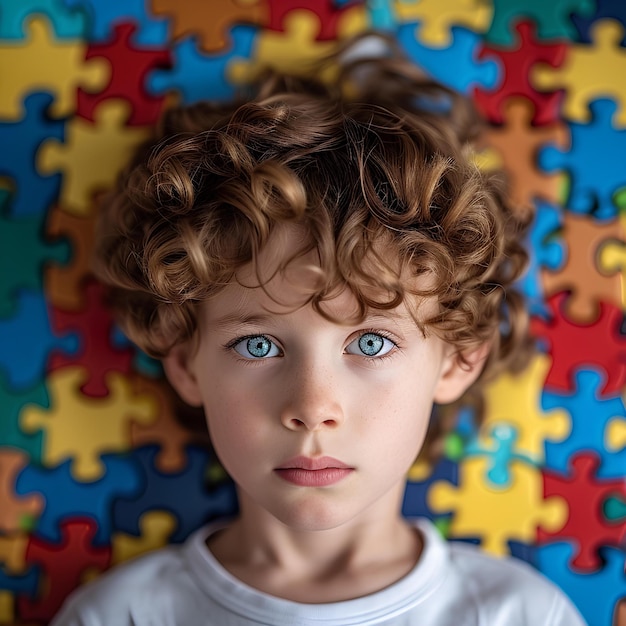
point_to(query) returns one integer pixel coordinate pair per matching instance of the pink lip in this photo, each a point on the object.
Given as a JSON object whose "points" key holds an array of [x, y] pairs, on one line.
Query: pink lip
{"points": [[318, 472]]}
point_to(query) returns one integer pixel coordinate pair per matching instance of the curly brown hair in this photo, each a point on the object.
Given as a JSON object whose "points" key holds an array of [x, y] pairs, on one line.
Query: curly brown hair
{"points": [[378, 161]]}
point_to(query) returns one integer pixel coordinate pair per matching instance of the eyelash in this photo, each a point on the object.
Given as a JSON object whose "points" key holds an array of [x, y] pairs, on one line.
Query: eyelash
{"points": [[230, 346]]}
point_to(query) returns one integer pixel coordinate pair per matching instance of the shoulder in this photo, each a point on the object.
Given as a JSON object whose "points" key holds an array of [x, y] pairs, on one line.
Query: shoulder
{"points": [[122, 591], [511, 586]]}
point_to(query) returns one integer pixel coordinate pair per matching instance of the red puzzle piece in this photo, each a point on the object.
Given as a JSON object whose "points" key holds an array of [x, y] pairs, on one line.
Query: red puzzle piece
{"points": [[573, 345], [516, 64], [585, 494], [94, 325], [63, 565], [328, 13], [130, 65]]}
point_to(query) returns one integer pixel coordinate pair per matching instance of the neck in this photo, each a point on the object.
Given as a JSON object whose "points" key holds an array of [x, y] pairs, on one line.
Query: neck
{"points": [[329, 565]]}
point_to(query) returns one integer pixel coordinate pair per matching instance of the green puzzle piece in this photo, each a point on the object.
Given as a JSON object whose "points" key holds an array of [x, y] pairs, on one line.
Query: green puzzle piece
{"points": [[614, 509], [24, 253]]}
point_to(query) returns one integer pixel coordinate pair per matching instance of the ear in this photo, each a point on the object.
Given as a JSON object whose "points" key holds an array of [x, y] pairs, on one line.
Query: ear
{"points": [[178, 369], [457, 376]]}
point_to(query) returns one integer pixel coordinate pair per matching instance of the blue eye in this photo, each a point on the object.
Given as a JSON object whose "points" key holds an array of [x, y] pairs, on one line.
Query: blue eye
{"points": [[370, 344], [257, 347]]}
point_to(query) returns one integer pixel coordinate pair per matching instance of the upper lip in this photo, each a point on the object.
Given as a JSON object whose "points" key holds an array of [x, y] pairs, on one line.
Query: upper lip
{"points": [[317, 463]]}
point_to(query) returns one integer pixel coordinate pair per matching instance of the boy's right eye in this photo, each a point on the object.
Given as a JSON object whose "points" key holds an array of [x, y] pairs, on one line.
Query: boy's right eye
{"points": [[256, 347]]}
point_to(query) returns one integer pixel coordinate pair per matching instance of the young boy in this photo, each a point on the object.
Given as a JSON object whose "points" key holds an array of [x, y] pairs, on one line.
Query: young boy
{"points": [[316, 268]]}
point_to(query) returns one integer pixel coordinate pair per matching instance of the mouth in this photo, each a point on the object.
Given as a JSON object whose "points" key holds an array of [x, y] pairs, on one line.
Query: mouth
{"points": [[313, 472]]}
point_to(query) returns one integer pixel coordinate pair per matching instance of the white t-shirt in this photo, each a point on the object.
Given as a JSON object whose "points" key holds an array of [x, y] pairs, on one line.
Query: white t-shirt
{"points": [[452, 585]]}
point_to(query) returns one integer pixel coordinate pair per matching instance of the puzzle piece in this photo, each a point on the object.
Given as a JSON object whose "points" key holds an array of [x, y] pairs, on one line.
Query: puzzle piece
{"points": [[545, 250], [615, 438], [94, 325], [92, 155], [583, 237], [189, 63], [24, 253], [604, 9], [417, 488], [329, 15], [184, 494], [516, 63], [588, 72], [81, 427], [512, 513], [27, 583], [15, 512], [103, 16], [585, 494], [591, 416], [156, 529], [62, 566], [67, 24], [13, 552], [436, 17], [456, 66], [130, 67], [294, 50], [27, 341], [518, 142], [573, 345], [515, 400], [210, 22], [41, 62], [614, 508], [165, 431], [595, 177], [611, 258], [32, 193], [66, 498], [594, 594], [552, 18], [7, 609], [64, 284]]}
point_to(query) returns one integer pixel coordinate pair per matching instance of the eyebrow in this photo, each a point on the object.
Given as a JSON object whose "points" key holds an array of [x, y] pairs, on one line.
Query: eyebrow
{"points": [[242, 319]]}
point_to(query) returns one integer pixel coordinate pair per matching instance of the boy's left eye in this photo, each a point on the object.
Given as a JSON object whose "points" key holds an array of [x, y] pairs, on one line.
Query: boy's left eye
{"points": [[371, 345]]}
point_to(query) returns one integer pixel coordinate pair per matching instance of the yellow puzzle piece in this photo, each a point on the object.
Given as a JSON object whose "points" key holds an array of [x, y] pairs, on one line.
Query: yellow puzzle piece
{"points": [[7, 607], [295, 49], [436, 17], [515, 399], [81, 427], [590, 71], [42, 62], [612, 260], [615, 439], [497, 515], [13, 553], [92, 155], [156, 529]]}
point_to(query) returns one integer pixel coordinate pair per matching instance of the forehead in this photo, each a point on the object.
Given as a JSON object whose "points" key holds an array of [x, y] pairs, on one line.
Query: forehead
{"points": [[287, 274]]}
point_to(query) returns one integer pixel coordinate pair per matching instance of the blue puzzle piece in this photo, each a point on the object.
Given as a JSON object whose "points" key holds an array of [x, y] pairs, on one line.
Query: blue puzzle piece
{"points": [[501, 453], [27, 583], [11, 404], [545, 250], [457, 66], [23, 254], [591, 412], [199, 76], [594, 161], [612, 9], [152, 30], [414, 503], [596, 594], [524, 552], [67, 24], [33, 193], [26, 341], [65, 497], [381, 15], [184, 494]]}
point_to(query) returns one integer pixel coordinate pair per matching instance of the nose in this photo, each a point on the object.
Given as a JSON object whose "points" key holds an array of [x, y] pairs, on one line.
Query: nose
{"points": [[312, 401]]}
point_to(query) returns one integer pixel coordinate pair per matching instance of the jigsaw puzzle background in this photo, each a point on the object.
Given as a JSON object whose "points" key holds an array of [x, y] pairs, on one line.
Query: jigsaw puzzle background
{"points": [[95, 469]]}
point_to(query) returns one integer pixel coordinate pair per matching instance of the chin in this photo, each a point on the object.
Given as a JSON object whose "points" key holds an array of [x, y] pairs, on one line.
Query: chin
{"points": [[312, 516]]}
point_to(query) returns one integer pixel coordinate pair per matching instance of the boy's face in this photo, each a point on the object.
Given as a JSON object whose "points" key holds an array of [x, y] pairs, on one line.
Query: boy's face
{"points": [[282, 388]]}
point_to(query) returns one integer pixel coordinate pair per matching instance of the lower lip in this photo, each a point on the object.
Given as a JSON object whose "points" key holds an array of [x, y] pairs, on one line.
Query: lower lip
{"points": [[314, 478]]}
